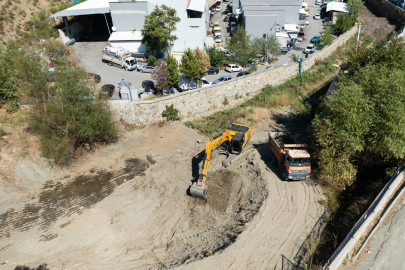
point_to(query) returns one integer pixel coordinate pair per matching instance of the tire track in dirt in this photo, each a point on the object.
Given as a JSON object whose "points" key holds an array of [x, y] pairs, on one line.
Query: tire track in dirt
{"points": [[280, 227], [64, 200]]}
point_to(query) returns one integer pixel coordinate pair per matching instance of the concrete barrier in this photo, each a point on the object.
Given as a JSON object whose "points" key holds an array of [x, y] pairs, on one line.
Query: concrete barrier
{"points": [[210, 99], [367, 220]]}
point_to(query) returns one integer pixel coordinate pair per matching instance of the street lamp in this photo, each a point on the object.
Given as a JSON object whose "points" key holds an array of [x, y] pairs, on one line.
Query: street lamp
{"points": [[266, 48]]}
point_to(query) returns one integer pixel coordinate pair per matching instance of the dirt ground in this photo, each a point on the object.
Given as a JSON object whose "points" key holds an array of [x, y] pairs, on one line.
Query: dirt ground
{"points": [[125, 206], [377, 27]]}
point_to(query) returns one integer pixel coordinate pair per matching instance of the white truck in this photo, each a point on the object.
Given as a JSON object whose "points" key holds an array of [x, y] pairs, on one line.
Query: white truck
{"points": [[119, 57]]}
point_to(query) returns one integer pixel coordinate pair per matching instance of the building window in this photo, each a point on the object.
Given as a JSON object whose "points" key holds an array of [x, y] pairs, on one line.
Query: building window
{"points": [[194, 14]]}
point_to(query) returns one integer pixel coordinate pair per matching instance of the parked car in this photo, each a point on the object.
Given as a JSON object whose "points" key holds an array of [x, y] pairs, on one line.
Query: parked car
{"points": [[141, 65], [323, 6], [307, 10], [186, 83], [316, 39], [107, 90], [317, 16], [233, 26], [149, 86], [222, 79], [218, 8], [147, 69], [243, 73], [218, 43], [216, 24], [212, 70], [168, 91], [318, 2], [233, 68], [308, 48], [306, 22], [97, 78]]}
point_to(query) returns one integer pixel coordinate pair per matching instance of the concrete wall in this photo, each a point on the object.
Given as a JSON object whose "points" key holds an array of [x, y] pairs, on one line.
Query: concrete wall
{"points": [[210, 99], [379, 203]]}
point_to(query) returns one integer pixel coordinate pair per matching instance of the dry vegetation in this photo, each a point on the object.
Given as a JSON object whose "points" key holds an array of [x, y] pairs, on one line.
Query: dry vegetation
{"points": [[15, 14]]}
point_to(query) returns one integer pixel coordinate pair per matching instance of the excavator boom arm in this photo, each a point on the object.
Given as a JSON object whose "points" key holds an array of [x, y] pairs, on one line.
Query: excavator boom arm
{"points": [[211, 146]]}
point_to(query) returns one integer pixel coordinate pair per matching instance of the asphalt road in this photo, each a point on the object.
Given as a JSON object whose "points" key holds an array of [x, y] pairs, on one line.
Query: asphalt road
{"points": [[387, 247]]}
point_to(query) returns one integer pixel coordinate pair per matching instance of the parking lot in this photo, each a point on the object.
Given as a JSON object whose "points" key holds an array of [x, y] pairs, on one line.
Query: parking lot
{"points": [[313, 28], [89, 53]]}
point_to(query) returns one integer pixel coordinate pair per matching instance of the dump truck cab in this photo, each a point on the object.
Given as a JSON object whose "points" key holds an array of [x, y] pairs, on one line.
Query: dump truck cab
{"points": [[291, 157], [297, 164]]}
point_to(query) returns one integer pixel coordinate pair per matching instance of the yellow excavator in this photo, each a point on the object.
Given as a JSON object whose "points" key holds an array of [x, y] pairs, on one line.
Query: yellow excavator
{"points": [[234, 140]]}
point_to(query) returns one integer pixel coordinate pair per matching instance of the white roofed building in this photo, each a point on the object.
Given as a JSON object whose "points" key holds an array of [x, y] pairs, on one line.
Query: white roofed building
{"points": [[334, 8], [125, 20]]}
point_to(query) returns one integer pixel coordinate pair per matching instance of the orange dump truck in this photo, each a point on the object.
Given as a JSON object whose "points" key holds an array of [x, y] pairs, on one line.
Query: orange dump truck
{"points": [[291, 157]]}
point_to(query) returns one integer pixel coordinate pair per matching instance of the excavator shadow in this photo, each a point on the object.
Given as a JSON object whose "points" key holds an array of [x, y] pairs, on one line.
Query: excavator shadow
{"points": [[196, 163]]}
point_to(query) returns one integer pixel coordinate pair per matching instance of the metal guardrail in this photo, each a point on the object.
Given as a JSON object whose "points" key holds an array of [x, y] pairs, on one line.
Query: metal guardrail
{"points": [[364, 217]]}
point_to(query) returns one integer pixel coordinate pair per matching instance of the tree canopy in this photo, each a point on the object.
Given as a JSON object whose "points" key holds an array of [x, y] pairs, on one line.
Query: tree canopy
{"points": [[190, 67], [203, 60], [362, 123], [158, 29], [239, 45], [216, 55], [173, 77], [267, 44]]}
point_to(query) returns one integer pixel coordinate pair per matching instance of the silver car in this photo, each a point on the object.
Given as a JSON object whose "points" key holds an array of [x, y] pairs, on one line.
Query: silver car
{"points": [[147, 69], [222, 79]]}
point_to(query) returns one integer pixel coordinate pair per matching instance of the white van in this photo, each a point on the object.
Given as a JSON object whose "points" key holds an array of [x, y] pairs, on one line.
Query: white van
{"points": [[185, 82]]}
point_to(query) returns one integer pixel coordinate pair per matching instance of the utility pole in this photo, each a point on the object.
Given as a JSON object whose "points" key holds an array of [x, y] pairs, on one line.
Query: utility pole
{"points": [[358, 36]]}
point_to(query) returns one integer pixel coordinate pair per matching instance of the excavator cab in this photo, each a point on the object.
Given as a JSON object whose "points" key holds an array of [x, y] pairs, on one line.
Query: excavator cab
{"points": [[237, 143]]}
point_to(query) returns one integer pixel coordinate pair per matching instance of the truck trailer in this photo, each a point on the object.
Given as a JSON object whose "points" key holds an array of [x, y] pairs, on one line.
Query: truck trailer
{"points": [[290, 156], [119, 57]]}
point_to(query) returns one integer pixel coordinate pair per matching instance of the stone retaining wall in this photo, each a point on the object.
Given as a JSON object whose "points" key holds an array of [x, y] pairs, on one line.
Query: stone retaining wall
{"points": [[211, 99]]}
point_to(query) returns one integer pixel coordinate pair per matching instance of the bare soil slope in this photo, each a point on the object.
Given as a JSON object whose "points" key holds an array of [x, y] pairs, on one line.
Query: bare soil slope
{"points": [[13, 15], [125, 207]]}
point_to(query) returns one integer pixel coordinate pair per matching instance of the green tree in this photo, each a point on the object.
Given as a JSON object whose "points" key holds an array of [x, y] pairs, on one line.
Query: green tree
{"points": [[274, 47], [326, 38], [158, 28], [362, 123], [173, 77], [203, 60], [66, 114], [216, 56], [239, 45], [7, 85], [189, 67], [269, 45], [355, 6]]}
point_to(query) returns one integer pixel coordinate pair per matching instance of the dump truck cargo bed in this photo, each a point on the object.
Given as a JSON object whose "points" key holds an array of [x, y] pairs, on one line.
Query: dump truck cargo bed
{"points": [[290, 156]]}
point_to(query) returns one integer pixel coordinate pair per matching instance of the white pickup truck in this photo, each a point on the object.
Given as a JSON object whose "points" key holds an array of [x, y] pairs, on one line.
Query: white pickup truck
{"points": [[119, 57]]}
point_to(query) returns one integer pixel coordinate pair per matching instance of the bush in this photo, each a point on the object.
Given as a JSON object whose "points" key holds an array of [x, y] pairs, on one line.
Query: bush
{"points": [[171, 113], [152, 60], [66, 115]]}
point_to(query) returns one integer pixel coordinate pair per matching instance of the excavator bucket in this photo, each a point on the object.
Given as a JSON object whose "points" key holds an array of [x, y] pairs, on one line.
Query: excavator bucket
{"points": [[198, 191]]}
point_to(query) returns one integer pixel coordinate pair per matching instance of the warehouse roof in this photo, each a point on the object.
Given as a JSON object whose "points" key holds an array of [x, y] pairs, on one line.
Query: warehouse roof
{"points": [[88, 7]]}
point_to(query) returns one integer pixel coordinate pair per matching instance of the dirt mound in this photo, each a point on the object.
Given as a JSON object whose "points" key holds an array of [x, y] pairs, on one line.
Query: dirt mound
{"points": [[233, 199]]}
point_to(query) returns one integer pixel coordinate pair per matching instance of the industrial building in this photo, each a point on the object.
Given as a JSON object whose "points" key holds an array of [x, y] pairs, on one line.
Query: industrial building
{"points": [[124, 21]]}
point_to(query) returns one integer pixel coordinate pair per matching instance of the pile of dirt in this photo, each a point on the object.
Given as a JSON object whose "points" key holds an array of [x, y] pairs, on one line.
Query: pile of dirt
{"points": [[234, 197]]}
